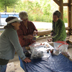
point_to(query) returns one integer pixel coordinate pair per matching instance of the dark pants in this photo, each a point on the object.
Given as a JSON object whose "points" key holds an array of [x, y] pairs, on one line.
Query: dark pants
{"points": [[3, 68]]}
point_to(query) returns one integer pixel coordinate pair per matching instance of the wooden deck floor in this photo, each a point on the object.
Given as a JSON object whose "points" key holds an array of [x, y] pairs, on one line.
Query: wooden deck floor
{"points": [[14, 65]]}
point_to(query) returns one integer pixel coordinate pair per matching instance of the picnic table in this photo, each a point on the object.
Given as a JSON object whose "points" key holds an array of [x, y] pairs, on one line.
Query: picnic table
{"points": [[53, 63]]}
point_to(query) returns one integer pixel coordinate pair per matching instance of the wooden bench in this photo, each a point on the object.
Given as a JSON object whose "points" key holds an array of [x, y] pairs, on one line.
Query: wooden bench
{"points": [[70, 39]]}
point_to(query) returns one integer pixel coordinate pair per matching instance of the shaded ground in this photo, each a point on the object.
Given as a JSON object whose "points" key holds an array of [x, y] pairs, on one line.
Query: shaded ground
{"points": [[14, 65]]}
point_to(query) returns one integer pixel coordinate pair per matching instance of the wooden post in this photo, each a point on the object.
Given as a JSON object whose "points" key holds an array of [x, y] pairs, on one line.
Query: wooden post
{"points": [[60, 4], [70, 16], [61, 8]]}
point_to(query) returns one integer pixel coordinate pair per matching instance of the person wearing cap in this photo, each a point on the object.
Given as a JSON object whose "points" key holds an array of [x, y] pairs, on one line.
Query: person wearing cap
{"points": [[26, 32], [9, 43], [58, 32]]}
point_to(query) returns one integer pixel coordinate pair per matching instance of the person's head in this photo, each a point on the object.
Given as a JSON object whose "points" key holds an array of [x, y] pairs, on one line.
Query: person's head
{"points": [[23, 16], [56, 16], [12, 22]]}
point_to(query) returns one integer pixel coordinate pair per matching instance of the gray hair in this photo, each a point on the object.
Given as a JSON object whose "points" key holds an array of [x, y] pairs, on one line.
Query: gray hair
{"points": [[23, 15], [57, 13]]}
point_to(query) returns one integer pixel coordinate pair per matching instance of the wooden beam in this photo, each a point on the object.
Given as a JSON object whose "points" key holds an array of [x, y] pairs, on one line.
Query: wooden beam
{"points": [[71, 4], [61, 8], [65, 4], [49, 37], [60, 3], [40, 38], [57, 2], [46, 32], [70, 16], [69, 13]]}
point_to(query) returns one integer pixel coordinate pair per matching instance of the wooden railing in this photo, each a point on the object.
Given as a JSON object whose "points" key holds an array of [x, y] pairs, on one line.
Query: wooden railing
{"points": [[46, 34]]}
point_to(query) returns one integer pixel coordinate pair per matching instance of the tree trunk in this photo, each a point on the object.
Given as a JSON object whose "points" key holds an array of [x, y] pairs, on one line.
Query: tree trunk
{"points": [[5, 8]]}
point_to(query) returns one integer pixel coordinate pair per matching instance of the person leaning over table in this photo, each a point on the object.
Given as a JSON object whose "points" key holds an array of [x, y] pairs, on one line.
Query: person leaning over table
{"points": [[26, 32], [58, 32], [9, 43]]}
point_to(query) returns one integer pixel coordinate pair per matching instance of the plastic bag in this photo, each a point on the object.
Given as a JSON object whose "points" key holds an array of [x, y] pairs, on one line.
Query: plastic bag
{"points": [[36, 54], [60, 46], [39, 45], [39, 50]]}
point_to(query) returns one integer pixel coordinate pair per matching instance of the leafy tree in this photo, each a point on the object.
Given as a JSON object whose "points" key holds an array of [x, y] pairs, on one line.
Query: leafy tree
{"points": [[38, 10], [7, 3]]}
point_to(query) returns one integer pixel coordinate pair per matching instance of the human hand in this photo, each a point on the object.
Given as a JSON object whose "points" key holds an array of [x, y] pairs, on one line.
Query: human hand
{"points": [[29, 37], [51, 33], [49, 40], [27, 60], [35, 33], [27, 48]]}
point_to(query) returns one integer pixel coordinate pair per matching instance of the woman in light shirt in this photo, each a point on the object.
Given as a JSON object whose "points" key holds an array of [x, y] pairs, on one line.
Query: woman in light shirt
{"points": [[9, 43]]}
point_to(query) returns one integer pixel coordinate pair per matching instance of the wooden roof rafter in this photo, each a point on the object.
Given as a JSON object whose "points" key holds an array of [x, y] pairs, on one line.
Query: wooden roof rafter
{"points": [[71, 4], [60, 4], [65, 4]]}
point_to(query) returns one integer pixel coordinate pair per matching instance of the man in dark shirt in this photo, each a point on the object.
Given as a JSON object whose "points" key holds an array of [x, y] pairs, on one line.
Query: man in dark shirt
{"points": [[26, 32]]}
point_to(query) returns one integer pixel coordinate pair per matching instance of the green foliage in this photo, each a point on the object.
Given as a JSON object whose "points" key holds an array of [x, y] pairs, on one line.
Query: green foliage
{"points": [[65, 18], [7, 3], [45, 6], [38, 10], [65, 15]]}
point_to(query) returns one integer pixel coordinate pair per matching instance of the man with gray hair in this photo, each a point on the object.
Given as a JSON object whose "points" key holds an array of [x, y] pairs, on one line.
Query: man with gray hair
{"points": [[23, 15], [26, 32]]}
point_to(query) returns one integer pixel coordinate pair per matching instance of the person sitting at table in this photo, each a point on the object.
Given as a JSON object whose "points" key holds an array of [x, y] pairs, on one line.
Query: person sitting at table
{"points": [[9, 43], [26, 32], [58, 32]]}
